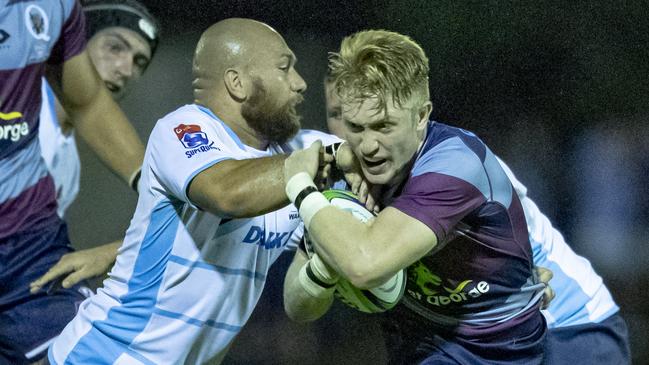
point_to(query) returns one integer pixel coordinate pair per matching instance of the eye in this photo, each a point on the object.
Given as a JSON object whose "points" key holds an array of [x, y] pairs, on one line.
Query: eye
{"points": [[116, 47], [335, 114], [141, 62], [382, 127], [355, 128]]}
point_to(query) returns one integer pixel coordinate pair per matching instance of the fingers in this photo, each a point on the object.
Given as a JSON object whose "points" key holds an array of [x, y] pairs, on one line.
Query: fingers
{"points": [[62, 267], [75, 278], [363, 191], [544, 274], [345, 158], [548, 296], [316, 146]]}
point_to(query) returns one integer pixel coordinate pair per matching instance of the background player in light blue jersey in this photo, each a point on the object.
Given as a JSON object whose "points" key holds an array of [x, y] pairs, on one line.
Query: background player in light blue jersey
{"points": [[45, 37], [452, 218], [211, 216], [583, 319], [122, 39]]}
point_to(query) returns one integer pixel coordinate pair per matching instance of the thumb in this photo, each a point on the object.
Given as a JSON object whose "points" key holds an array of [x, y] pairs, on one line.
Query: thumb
{"points": [[317, 146]]}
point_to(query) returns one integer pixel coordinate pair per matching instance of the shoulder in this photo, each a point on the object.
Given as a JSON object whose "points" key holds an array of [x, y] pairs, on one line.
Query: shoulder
{"points": [[451, 151], [187, 117], [521, 190]]}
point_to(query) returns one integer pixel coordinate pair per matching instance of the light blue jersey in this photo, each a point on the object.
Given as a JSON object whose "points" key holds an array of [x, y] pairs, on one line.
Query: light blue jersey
{"points": [[581, 296], [59, 150], [185, 280]]}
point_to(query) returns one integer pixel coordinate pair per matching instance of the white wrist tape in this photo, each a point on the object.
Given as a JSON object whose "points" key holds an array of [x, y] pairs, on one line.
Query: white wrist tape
{"points": [[296, 184], [312, 203], [314, 289], [321, 270]]}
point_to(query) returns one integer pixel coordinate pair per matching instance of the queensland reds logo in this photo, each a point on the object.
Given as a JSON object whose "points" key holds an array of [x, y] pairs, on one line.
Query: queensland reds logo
{"points": [[37, 22], [193, 139]]}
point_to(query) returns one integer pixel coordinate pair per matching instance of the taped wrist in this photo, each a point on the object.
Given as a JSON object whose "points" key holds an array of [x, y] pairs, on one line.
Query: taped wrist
{"points": [[322, 271], [303, 193], [314, 284]]}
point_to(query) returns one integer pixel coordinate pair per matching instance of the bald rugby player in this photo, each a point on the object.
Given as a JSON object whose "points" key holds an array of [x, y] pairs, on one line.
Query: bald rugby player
{"points": [[212, 215]]}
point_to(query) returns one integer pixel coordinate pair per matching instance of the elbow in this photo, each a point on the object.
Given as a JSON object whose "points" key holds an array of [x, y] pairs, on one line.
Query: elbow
{"points": [[364, 274]]}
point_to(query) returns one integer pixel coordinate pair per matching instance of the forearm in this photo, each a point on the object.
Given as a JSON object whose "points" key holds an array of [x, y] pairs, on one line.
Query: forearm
{"points": [[241, 188], [97, 118], [104, 127], [345, 243]]}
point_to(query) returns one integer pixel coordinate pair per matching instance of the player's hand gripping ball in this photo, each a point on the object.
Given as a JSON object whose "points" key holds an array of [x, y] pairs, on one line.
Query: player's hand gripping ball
{"points": [[375, 300]]}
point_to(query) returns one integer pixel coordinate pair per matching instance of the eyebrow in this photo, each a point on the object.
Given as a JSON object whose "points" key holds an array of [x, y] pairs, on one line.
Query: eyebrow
{"points": [[121, 38], [290, 56], [128, 44]]}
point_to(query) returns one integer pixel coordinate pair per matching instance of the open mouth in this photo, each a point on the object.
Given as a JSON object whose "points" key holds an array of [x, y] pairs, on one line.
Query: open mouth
{"points": [[373, 164], [113, 88]]}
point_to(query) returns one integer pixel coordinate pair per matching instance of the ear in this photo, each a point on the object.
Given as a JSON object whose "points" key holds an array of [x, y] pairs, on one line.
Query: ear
{"points": [[235, 84], [424, 115]]}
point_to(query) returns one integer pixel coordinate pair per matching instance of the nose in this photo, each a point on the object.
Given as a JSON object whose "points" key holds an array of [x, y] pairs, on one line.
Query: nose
{"points": [[369, 145], [124, 67], [298, 84]]}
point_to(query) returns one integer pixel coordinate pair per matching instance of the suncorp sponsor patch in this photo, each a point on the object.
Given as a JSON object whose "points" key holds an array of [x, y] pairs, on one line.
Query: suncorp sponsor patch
{"points": [[193, 139]]}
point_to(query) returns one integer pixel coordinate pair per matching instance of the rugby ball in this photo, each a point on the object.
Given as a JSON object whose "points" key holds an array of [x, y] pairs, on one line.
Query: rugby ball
{"points": [[375, 300]]}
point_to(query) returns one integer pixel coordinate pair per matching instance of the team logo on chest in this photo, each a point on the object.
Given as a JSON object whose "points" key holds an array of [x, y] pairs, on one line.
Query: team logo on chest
{"points": [[37, 22], [193, 139]]}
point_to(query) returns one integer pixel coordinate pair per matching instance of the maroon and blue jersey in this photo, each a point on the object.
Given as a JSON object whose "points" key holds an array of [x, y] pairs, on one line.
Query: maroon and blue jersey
{"points": [[478, 282], [32, 33]]}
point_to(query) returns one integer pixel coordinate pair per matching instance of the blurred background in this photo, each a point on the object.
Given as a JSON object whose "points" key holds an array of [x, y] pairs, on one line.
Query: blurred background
{"points": [[559, 90]]}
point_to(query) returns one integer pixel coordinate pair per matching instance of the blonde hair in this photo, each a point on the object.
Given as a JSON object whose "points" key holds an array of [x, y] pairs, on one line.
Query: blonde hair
{"points": [[382, 64]]}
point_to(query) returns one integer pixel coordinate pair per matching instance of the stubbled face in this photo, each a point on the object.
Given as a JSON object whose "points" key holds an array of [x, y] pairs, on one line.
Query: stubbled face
{"points": [[383, 141], [276, 90], [334, 112], [120, 56]]}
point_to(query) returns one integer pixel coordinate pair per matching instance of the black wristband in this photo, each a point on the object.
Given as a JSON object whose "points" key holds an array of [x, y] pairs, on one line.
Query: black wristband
{"points": [[303, 194], [136, 180], [315, 279]]}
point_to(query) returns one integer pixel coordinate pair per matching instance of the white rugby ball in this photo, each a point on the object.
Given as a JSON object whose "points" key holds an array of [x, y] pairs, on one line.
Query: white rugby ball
{"points": [[375, 300]]}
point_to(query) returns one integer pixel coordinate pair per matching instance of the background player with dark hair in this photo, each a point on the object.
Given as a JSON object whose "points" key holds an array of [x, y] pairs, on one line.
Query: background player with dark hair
{"points": [[122, 39], [45, 36]]}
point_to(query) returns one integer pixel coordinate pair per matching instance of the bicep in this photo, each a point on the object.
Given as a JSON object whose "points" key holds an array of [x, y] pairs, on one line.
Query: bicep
{"points": [[205, 189]]}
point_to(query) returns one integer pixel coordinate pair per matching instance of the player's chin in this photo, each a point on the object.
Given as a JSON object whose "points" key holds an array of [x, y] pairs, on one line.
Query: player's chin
{"points": [[377, 178]]}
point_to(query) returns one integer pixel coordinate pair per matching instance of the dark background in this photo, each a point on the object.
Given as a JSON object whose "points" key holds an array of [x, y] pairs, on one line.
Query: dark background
{"points": [[560, 91]]}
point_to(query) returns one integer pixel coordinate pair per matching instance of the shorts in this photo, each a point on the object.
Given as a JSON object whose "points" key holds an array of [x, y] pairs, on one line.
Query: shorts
{"points": [[606, 342], [28, 322]]}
